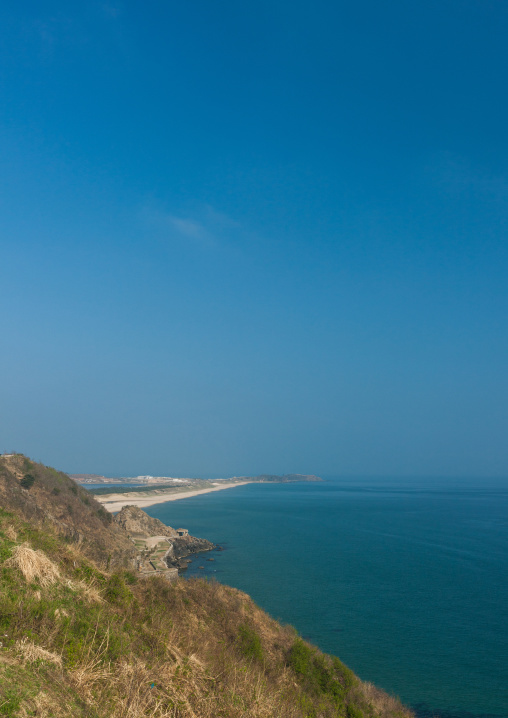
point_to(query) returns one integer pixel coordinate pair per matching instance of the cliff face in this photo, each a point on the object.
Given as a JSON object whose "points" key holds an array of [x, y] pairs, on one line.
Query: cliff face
{"points": [[140, 526], [186, 545], [133, 520]]}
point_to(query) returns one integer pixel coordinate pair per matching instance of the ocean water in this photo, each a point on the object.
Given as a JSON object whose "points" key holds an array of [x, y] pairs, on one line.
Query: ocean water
{"points": [[405, 580]]}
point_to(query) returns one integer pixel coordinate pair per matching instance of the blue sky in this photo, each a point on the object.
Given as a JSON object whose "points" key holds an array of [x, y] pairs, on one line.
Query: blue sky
{"points": [[255, 237]]}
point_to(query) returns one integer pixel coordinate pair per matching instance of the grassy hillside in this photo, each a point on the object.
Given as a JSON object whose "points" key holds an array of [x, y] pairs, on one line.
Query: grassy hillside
{"points": [[50, 498], [81, 640]]}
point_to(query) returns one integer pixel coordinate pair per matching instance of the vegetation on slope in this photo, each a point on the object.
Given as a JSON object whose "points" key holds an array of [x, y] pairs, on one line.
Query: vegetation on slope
{"points": [[47, 497], [81, 640]]}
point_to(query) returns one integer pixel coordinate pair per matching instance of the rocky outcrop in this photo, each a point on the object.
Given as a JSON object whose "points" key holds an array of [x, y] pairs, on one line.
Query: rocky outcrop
{"points": [[134, 520], [139, 525], [185, 545]]}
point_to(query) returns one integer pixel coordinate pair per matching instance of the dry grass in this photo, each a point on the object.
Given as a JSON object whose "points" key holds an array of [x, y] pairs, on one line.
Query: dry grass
{"points": [[93, 669], [117, 645], [180, 689], [45, 705], [138, 698], [383, 704], [11, 533], [194, 667], [30, 652], [34, 565], [88, 591]]}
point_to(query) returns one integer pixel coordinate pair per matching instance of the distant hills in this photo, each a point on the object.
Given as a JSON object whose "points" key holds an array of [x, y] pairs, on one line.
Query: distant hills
{"points": [[284, 479], [275, 478]]}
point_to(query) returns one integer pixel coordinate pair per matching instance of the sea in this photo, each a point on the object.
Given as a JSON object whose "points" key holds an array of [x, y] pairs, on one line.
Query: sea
{"points": [[406, 580]]}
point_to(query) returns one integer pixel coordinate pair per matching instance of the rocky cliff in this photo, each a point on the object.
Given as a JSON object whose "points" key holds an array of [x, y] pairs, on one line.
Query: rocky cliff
{"points": [[139, 525], [133, 520], [185, 545]]}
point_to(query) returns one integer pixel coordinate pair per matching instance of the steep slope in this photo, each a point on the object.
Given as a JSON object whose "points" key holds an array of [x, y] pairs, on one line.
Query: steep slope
{"points": [[79, 640], [133, 520], [45, 496]]}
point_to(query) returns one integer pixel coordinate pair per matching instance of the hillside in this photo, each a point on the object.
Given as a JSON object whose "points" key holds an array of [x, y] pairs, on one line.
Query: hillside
{"points": [[81, 640], [47, 497]]}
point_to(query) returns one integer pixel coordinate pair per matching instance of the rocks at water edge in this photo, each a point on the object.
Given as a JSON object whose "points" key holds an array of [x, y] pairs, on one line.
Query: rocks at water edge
{"points": [[142, 527]]}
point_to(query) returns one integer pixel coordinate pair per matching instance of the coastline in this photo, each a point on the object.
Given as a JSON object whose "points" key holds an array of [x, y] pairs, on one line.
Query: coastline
{"points": [[115, 502]]}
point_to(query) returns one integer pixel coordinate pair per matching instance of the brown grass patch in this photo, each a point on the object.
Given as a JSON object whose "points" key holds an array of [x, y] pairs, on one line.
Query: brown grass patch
{"points": [[93, 669], [381, 702], [89, 591], [34, 565], [11, 533], [30, 652], [44, 705]]}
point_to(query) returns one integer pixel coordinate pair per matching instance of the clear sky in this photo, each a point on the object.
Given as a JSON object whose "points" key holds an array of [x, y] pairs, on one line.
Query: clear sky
{"points": [[251, 237]]}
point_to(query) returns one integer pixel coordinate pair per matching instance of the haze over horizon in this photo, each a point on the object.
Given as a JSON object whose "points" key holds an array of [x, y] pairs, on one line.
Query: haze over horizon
{"points": [[269, 237]]}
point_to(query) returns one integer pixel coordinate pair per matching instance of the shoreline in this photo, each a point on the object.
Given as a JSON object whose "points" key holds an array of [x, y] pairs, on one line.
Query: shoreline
{"points": [[115, 502]]}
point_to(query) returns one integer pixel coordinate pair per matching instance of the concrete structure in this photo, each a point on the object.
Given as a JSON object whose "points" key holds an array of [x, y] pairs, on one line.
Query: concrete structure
{"points": [[182, 532]]}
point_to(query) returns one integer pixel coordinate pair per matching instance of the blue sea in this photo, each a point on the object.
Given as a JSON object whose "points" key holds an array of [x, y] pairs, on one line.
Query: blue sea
{"points": [[405, 580]]}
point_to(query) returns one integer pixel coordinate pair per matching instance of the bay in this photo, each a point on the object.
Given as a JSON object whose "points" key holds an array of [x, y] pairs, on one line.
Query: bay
{"points": [[405, 580]]}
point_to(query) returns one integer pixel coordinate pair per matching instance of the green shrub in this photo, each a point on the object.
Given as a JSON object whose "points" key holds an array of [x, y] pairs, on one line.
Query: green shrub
{"points": [[319, 675], [300, 658], [104, 515], [116, 590], [250, 643], [90, 573], [347, 676], [307, 705], [130, 578], [27, 481]]}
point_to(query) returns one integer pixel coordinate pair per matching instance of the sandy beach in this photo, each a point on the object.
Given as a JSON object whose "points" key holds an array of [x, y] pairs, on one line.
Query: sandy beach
{"points": [[115, 502]]}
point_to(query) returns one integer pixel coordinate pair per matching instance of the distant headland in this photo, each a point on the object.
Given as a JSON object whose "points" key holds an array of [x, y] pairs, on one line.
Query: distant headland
{"points": [[145, 491]]}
